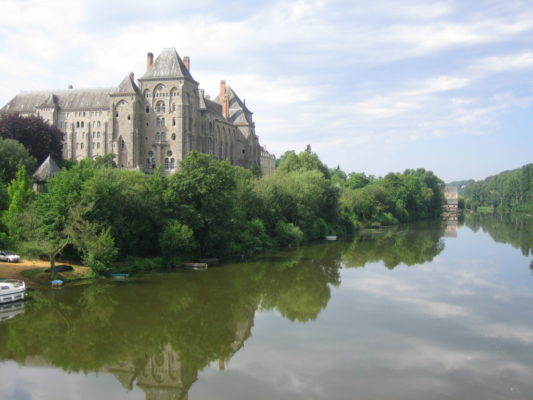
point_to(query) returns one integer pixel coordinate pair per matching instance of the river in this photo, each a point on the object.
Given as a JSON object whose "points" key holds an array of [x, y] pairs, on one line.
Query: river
{"points": [[424, 311]]}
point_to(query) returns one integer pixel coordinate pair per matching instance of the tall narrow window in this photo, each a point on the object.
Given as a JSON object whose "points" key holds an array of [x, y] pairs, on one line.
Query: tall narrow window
{"points": [[167, 165], [172, 163]]}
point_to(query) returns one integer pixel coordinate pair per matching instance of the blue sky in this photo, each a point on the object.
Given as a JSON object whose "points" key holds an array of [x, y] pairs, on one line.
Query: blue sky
{"points": [[373, 86]]}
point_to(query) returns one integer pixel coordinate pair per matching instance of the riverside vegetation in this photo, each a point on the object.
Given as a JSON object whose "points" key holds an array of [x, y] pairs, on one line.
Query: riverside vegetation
{"points": [[506, 192], [104, 215]]}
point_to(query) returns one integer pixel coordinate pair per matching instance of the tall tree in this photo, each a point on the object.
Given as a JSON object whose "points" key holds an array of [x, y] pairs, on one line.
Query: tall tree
{"points": [[13, 155], [40, 138]]}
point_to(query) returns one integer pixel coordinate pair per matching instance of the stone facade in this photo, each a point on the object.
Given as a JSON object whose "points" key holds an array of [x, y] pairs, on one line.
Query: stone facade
{"points": [[154, 122]]}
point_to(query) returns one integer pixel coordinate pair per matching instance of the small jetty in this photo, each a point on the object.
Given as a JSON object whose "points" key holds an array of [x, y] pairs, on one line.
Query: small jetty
{"points": [[195, 266], [208, 261]]}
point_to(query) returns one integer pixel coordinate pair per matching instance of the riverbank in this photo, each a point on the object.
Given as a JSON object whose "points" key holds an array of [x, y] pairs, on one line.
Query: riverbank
{"points": [[33, 272]]}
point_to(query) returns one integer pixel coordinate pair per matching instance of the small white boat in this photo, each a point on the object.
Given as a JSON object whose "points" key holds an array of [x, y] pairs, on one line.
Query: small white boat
{"points": [[331, 237], [11, 290]]}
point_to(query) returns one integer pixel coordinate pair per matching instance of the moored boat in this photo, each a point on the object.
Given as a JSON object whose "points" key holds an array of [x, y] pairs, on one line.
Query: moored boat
{"points": [[11, 290], [331, 237]]}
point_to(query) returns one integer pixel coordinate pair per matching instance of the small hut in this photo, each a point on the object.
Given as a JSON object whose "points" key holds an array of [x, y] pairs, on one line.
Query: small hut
{"points": [[45, 171]]}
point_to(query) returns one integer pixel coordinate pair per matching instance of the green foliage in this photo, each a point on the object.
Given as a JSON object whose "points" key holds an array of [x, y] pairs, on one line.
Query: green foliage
{"points": [[20, 194], [413, 195], [14, 155], [176, 240], [40, 138], [203, 195], [288, 234], [507, 192]]}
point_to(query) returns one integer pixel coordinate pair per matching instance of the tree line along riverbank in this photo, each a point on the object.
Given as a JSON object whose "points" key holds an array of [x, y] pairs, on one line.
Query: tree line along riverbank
{"points": [[113, 218]]}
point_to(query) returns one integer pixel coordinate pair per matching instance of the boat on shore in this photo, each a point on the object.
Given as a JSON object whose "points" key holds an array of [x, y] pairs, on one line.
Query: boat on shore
{"points": [[12, 290]]}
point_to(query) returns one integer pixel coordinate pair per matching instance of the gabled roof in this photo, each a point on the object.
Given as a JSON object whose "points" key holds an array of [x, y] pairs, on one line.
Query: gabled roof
{"points": [[238, 112], [71, 99], [46, 170], [168, 65], [127, 86]]}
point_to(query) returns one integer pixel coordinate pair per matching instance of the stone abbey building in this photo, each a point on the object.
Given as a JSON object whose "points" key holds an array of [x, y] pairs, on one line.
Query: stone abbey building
{"points": [[156, 122]]}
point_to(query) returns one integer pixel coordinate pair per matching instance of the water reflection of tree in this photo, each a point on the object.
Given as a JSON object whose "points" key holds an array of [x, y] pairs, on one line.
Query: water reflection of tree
{"points": [[159, 332], [514, 229], [409, 244]]}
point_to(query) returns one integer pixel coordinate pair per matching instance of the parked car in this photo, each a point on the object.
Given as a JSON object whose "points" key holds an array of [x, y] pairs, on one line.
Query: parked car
{"points": [[9, 257]]}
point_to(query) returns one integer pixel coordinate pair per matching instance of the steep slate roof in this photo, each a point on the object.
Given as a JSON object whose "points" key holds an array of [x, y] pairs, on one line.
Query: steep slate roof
{"points": [[168, 64], [71, 99], [127, 86], [46, 170], [238, 112], [211, 106], [50, 102]]}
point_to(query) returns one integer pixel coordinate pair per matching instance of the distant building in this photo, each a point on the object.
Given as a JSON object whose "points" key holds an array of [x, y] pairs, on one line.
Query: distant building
{"points": [[451, 208], [154, 122]]}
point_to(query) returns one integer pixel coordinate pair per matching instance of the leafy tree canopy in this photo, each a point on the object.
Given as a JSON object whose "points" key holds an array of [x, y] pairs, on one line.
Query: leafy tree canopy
{"points": [[40, 138]]}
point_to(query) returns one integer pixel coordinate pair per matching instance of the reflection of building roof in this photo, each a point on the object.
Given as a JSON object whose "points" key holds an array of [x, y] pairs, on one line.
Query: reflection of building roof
{"points": [[46, 170]]}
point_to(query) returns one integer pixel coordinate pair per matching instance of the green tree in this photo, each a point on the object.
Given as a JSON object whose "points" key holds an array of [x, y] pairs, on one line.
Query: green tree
{"points": [[40, 138], [20, 194], [13, 155]]}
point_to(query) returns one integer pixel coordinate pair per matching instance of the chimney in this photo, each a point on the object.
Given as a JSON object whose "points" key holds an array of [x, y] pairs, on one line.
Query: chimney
{"points": [[225, 106], [187, 62], [149, 60], [222, 89], [132, 76]]}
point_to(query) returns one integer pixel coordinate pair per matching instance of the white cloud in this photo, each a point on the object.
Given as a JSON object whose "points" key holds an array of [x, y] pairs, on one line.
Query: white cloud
{"points": [[504, 63]]}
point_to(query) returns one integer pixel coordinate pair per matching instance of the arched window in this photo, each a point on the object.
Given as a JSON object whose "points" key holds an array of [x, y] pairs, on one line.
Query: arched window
{"points": [[163, 136], [122, 144], [81, 145], [173, 121], [157, 136], [98, 134], [172, 163], [173, 107], [147, 93], [167, 164], [173, 136], [98, 124], [160, 107], [174, 92]]}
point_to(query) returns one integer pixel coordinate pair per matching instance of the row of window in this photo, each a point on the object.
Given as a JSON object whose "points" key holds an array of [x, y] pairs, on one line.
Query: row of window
{"points": [[81, 145], [83, 114], [96, 135], [168, 164]]}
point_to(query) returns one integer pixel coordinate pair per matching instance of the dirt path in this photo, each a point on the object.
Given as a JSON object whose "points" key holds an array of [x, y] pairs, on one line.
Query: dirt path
{"points": [[14, 270]]}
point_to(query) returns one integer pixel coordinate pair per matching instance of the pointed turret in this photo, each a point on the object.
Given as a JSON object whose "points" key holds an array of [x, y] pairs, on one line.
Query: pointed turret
{"points": [[167, 65]]}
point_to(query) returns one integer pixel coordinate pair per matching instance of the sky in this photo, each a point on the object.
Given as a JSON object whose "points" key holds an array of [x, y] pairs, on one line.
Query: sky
{"points": [[373, 86]]}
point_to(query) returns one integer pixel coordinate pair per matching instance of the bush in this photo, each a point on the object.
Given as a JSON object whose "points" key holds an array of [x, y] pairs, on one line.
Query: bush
{"points": [[287, 234], [176, 240], [253, 238]]}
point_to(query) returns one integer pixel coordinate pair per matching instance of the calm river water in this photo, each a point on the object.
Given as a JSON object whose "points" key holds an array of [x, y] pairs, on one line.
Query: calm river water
{"points": [[426, 311]]}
